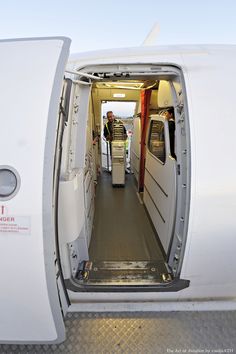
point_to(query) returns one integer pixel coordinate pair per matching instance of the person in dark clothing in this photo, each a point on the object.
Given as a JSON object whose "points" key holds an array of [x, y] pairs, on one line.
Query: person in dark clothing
{"points": [[108, 127], [170, 114]]}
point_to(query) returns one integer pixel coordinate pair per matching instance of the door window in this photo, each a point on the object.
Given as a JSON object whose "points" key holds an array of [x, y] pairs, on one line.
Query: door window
{"points": [[156, 141]]}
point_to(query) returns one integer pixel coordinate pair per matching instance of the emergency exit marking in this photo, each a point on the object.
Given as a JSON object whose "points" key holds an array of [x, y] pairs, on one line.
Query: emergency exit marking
{"points": [[15, 224]]}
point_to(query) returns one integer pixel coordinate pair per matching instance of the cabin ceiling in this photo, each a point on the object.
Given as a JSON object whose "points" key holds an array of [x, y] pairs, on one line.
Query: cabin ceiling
{"points": [[127, 84]]}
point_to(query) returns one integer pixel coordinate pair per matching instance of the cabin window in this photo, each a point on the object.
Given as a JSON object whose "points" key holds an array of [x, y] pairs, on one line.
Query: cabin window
{"points": [[156, 142]]}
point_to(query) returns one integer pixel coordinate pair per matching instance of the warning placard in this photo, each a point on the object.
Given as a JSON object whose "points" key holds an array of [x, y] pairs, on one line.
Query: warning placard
{"points": [[15, 224]]}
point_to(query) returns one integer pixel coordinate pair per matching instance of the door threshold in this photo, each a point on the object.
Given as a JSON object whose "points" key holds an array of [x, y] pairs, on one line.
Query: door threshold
{"points": [[123, 273]]}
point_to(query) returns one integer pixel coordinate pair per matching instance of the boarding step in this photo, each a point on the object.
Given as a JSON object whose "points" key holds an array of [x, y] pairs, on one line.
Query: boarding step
{"points": [[123, 273]]}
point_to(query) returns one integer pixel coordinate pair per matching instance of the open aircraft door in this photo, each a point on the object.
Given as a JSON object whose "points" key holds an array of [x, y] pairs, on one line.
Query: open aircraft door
{"points": [[160, 180], [32, 297]]}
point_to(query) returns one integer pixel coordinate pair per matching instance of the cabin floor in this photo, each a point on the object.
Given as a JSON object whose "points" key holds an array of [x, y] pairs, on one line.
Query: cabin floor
{"points": [[124, 248], [122, 230]]}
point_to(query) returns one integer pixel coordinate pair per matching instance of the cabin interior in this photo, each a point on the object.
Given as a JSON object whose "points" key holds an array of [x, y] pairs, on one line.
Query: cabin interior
{"points": [[125, 235]]}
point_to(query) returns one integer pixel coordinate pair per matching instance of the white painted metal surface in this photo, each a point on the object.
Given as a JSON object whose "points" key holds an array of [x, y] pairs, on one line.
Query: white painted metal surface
{"points": [[71, 211], [160, 188], [210, 251], [208, 71], [29, 300]]}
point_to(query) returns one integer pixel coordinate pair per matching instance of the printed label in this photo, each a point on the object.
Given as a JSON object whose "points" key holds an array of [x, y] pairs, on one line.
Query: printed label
{"points": [[15, 224]]}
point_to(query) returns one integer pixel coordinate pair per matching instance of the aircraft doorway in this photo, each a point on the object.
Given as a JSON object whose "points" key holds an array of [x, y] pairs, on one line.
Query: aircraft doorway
{"points": [[124, 111], [123, 239]]}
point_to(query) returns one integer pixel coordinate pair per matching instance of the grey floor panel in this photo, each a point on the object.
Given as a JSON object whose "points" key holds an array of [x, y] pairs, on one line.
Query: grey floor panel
{"points": [[144, 333], [122, 230]]}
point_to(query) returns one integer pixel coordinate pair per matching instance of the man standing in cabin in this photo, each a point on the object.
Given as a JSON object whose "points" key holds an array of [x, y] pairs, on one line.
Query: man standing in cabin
{"points": [[170, 114], [108, 128]]}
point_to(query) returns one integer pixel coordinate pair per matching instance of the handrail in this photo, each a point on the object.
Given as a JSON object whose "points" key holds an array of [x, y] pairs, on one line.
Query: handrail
{"points": [[81, 73]]}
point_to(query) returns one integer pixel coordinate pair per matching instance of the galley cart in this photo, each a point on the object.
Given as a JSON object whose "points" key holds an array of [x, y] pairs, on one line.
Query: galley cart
{"points": [[118, 155]]}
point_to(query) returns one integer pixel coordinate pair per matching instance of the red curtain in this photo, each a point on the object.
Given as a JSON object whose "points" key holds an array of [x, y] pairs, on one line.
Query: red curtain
{"points": [[145, 102]]}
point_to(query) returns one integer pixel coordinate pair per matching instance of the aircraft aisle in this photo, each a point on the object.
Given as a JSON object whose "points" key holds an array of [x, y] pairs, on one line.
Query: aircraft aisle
{"points": [[122, 230]]}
